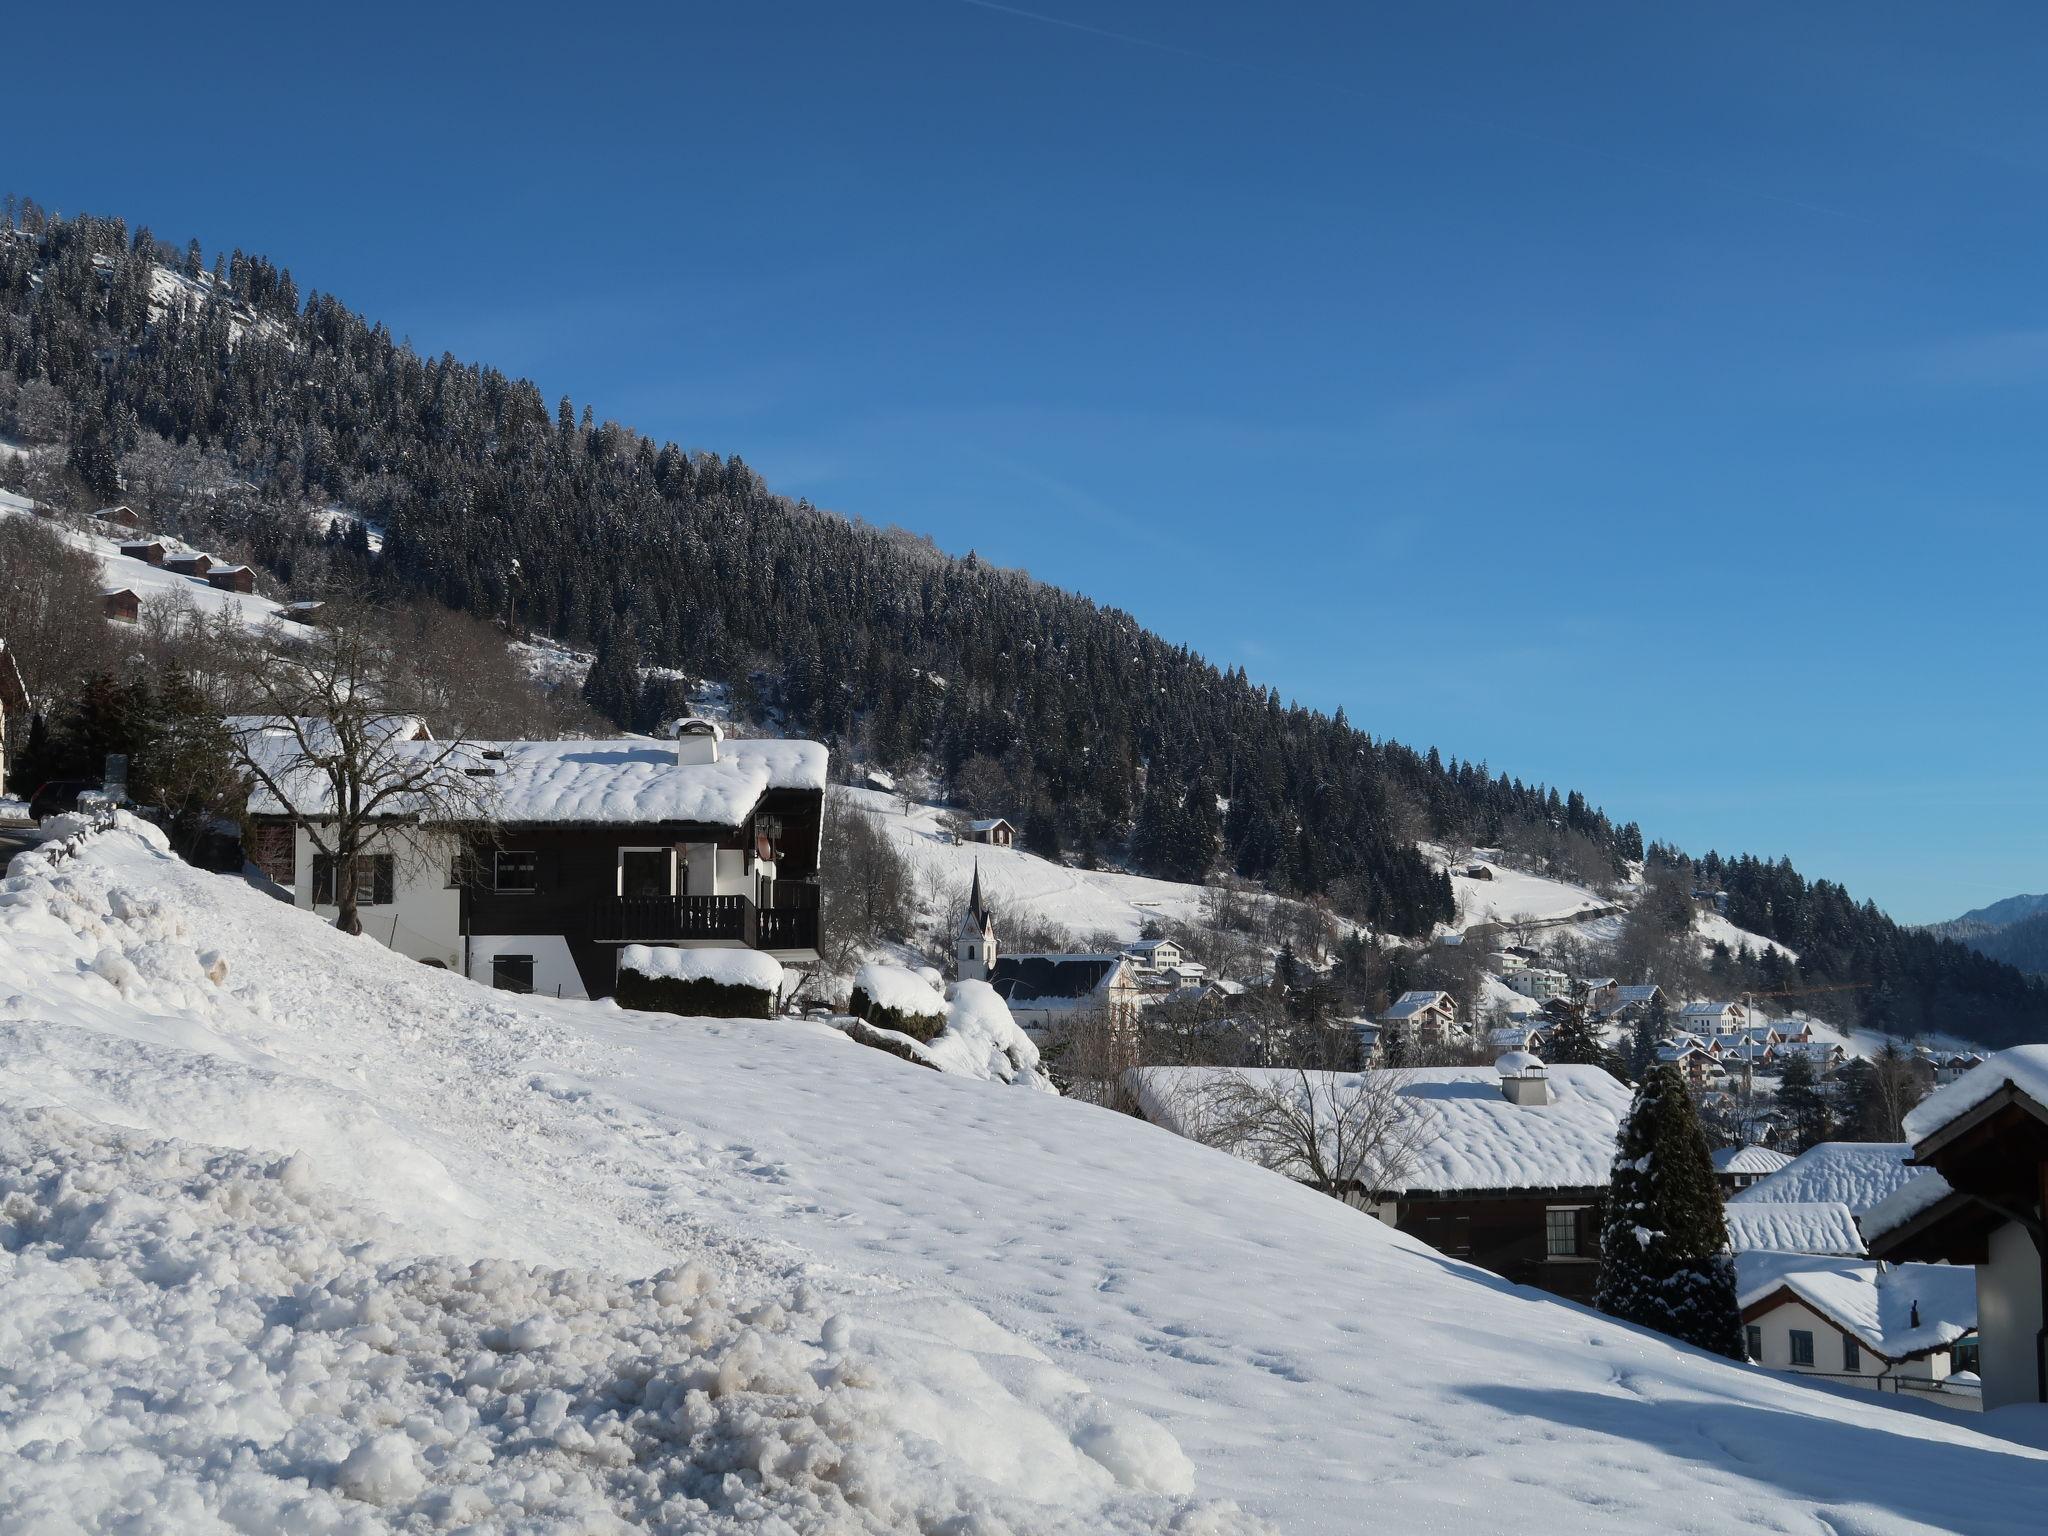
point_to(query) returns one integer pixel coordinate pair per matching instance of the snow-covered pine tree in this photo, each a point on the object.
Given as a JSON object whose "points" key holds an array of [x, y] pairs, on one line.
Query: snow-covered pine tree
{"points": [[1664, 1259]]}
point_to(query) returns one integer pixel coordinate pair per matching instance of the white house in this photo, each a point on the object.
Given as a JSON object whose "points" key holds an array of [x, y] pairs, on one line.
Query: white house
{"points": [[1711, 1018], [1981, 1206], [1506, 963], [1047, 990], [1891, 1328], [1155, 954], [1739, 1167], [1541, 982], [1429, 1016]]}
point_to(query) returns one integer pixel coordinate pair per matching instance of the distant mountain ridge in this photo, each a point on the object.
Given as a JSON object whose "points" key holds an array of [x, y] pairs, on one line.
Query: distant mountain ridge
{"points": [[2001, 914], [2014, 931]]}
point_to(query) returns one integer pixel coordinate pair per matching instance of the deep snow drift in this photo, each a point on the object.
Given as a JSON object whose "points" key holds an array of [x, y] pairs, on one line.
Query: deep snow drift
{"points": [[740, 1273]]}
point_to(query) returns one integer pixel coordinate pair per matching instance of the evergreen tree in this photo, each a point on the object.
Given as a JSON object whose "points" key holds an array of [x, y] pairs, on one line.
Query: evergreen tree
{"points": [[1574, 1039], [1664, 1260], [1799, 1096], [1652, 1024]]}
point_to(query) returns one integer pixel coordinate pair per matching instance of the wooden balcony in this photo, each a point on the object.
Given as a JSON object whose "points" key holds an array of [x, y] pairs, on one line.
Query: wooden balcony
{"points": [[788, 923]]}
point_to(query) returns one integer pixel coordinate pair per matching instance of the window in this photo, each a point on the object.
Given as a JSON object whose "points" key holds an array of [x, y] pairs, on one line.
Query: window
{"points": [[375, 880], [1852, 1357], [516, 869], [1802, 1347], [647, 872], [1964, 1355], [512, 973], [1564, 1232], [1753, 1344]]}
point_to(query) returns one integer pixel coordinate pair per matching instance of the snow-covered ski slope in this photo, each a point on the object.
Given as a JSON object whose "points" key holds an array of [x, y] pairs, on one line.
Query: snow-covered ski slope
{"points": [[889, 1299]]}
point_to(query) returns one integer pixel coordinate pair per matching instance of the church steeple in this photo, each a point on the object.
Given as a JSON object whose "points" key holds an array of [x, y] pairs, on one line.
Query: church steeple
{"points": [[974, 946]]}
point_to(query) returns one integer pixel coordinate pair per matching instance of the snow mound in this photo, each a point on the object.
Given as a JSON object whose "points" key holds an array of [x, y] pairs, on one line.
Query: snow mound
{"points": [[982, 1040], [899, 990], [197, 1339], [727, 967]]}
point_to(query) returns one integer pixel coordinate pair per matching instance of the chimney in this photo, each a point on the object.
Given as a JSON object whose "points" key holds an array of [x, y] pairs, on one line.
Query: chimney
{"points": [[697, 740], [1524, 1080]]}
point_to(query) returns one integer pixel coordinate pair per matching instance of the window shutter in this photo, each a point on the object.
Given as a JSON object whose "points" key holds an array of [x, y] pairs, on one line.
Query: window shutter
{"points": [[381, 880], [323, 880]]}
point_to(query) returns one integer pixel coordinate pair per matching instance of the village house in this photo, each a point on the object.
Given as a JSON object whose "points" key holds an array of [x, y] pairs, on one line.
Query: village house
{"points": [[1155, 954], [1890, 1328], [1601, 992], [188, 562], [1984, 1205], [1506, 963], [993, 830], [123, 517], [14, 708], [1422, 1017], [1043, 990], [1508, 1164], [1739, 1167], [1712, 1018], [305, 612], [122, 604], [1626, 1005], [232, 578], [695, 843], [1540, 982], [148, 551], [1699, 1066]]}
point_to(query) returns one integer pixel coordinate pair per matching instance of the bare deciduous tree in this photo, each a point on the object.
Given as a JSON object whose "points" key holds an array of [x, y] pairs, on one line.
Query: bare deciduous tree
{"points": [[1352, 1135], [336, 748]]}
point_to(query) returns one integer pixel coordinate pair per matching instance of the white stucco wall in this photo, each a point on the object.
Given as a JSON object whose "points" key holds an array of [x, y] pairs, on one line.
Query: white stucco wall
{"points": [[2009, 1318], [1778, 1325], [424, 920], [554, 968]]}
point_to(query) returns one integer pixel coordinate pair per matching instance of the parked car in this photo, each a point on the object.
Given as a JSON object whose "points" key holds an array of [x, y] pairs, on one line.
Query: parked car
{"points": [[58, 796]]}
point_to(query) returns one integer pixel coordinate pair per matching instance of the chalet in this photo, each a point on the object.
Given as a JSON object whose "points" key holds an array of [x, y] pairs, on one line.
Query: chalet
{"points": [[1601, 992], [1627, 1005], [122, 605], [1984, 1205], [1888, 1328], [1155, 954], [148, 551], [1505, 963], [1508, 1167], [188, 562], [1048, 990], [1825, 1056], [1478, 872], [696, 843], [14, 708], [994, 831], [1699, 1066], [1739, 1167], [123, 517], [232, 578], [306, 612], [1431, 1016]]}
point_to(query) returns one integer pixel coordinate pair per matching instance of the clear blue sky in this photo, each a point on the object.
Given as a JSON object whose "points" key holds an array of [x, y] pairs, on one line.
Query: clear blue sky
{"points": [[1642, 401]]}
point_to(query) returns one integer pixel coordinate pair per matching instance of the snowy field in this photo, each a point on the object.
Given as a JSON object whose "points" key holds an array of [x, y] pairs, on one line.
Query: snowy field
{"points": [[1512, 896], [309, 1237], [145, 580]]}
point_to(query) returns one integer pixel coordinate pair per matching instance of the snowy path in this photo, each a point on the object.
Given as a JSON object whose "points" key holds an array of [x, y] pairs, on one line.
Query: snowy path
{"points": [[1049, 1291]]}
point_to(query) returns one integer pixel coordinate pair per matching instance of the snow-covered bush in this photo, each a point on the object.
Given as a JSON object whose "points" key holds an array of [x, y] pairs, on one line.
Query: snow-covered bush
{"points": [[699, 983], [890, 997], [982, 1040]]}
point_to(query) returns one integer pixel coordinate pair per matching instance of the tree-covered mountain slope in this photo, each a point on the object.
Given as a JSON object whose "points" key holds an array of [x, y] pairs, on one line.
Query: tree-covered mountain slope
{"points": [[240, 413]]}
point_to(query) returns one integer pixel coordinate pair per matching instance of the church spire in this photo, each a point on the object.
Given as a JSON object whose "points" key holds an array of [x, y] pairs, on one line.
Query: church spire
{"points": [[975, 947], [977, 912]]}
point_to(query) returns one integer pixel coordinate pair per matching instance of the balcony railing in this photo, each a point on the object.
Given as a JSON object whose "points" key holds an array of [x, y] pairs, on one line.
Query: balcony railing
{"points": [[789, 922]]}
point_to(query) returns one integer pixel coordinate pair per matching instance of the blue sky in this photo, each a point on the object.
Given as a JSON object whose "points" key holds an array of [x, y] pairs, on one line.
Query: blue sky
{"points": [[1639, 399]]}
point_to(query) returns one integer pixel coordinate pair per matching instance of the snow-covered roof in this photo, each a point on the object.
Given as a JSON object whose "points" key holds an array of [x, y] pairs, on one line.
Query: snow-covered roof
{"points": [[1794, 1226], [629, 782], [1904, 1203], [1519, 1064], [727, 967], [1698, 1010], [1038, 980], [1874, 1303], [2025, 1067], [1410, 1004], [1148, 946], [989, 823], [1857, 1173], [1751, 1159], [1473, 1139]]}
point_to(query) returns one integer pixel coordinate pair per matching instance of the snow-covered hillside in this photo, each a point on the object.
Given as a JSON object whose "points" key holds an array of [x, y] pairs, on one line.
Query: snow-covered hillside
{"points": [[145, 580], [1085, 902], [780, 1277]]}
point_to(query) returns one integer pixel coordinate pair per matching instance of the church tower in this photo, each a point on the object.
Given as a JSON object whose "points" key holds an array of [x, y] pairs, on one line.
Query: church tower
{"points": [[974, 948]]}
